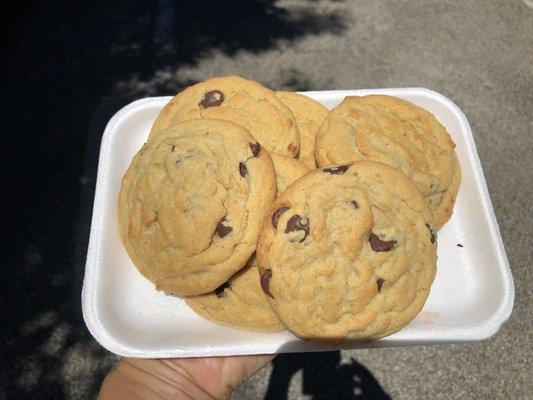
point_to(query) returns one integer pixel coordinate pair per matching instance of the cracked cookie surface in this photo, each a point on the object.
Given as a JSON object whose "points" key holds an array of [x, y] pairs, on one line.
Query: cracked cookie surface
{"points": [[346, 253], [398, 133], [191, 204], [237, 100], [240, 302], [309, 116]]}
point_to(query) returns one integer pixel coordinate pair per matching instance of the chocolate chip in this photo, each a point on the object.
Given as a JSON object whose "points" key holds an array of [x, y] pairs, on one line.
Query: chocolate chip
{"points": [[173, 148], [380, 245], [295, 224], [223, 230], [212, 99], [355, 204], [219, 291], [340, 169], [242, 169], [277, 215], [265, 282], [459, 245], [292, 148], [379, 282], [432, 233], [256, 148]]}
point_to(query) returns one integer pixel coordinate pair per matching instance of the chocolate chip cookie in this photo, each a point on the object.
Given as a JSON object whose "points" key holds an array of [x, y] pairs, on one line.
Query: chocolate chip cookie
{"points": [[237, 100], [287, 170], [191, 204], [347, 253], [396, 132], [309, 116], [240, 302]]}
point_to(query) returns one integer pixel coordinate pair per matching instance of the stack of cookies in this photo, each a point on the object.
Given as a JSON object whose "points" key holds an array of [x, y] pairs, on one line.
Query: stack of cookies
{"points": [[265, 211]]}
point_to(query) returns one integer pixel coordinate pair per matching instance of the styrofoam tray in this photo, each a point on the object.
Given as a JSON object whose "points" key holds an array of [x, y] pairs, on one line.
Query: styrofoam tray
{"points": [[471, 298]]}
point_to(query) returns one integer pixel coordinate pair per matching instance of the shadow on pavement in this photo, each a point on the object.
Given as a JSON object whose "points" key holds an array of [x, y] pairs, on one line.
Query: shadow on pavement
{"points": [[324, 377]]}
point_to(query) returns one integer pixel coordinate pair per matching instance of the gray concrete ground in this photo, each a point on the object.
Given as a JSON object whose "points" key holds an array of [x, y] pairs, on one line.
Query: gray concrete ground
{"points": [[478, 53]]}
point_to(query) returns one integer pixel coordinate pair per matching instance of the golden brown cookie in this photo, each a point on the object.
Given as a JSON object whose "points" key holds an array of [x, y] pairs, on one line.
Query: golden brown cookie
{"points": [[238, 100], [287, 171], [240, 302], [347, 254], [191, 204], [309, 116], [393, 131]]}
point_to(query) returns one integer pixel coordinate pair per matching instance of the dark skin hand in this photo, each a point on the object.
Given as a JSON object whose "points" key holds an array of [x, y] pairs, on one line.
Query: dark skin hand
{"points": [[179, 378]]}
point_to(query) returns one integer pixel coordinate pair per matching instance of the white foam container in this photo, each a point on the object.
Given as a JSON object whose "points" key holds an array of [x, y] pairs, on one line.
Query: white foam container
{"points": [[471, 298]]}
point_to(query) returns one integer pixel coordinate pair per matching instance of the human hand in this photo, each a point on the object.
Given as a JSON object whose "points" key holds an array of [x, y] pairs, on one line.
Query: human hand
{"points": [[179, 378]]}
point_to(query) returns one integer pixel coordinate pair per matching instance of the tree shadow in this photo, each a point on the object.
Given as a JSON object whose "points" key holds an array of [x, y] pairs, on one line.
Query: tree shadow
{"points": [[324, 377], [65, 62]]}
